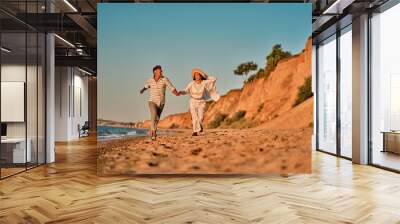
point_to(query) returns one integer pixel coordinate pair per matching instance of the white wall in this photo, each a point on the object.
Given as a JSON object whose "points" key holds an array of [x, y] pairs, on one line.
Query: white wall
{"points": [[33, 127], [62, 82], [12, 73], [70, 83]]}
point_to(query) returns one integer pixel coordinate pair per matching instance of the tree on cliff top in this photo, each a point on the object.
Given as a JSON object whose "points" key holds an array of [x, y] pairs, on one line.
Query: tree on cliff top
{"points": [[245, 68], [275, 56]]}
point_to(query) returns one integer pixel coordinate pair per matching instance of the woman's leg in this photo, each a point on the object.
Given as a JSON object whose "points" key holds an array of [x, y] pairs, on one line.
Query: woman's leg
{"points": [[200, 115], [195, 119], [197, 110]]}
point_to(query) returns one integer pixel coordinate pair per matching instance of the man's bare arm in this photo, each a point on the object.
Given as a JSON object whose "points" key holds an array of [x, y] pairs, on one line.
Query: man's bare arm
{"points": [[142, 90]]}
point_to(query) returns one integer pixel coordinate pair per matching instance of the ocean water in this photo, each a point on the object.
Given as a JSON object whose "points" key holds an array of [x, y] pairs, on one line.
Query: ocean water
{"points": [[108, 132]]}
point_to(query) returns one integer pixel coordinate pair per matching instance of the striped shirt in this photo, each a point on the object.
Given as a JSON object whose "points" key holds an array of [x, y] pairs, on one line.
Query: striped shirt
{"points": [[157, 89]]}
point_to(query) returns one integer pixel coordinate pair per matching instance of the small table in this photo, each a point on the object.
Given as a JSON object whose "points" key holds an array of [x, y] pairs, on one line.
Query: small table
{"points": [[13, 150], [391, 141]]}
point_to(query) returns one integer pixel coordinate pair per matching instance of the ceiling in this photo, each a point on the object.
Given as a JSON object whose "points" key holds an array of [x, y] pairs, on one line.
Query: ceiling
{"points": [[75, 21]]}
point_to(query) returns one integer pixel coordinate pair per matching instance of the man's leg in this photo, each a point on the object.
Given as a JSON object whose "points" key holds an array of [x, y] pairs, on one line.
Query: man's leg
{"points": [[159, 111], [153, 115]]}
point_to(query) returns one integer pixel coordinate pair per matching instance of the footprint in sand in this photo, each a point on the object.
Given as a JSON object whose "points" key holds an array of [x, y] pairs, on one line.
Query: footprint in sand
{"points": [[166, 146], [196, 151], [195, 167], [153, 163], [156, 154]]}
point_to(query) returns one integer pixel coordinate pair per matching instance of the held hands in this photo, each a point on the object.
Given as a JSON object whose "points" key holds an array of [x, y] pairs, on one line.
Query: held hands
{"points": [[176, 93], [179, 93]]}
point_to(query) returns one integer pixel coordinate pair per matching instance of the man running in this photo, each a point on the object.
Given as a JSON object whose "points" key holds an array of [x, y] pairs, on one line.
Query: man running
{"points": [[157, 85]]}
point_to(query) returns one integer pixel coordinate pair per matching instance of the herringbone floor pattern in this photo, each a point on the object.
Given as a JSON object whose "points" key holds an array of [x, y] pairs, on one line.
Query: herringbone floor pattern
{"points": [[70, 192]]}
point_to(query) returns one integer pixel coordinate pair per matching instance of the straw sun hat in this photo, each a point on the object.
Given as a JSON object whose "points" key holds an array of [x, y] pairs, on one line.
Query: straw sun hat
{"points": [[196, 70]]}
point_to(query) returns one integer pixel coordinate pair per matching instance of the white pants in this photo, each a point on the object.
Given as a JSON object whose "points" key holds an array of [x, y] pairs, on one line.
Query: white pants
{"points": [[197, 108]]}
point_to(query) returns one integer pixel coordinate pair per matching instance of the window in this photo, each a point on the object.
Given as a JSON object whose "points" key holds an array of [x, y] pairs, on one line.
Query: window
{"points": [[385, 89], [346, 95], [327, 95]]}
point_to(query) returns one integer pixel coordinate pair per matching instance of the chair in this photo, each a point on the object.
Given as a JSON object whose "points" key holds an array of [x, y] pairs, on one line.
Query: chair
{"points": [[84, 130]]}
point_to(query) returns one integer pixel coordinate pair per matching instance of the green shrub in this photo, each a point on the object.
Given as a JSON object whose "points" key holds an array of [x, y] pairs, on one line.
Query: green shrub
{"points": [[272, 60], [173, 126], [251, 78], [218, 119], [304, 92], [243, 123], [260, 74], [236, 117]]}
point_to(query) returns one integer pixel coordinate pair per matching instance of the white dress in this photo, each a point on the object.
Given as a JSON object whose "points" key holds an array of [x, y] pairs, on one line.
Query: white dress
{"points": [[198, 95]]}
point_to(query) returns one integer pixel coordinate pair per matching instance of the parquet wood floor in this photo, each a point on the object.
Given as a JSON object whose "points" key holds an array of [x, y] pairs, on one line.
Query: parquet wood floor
{"points": [[69, 191]]}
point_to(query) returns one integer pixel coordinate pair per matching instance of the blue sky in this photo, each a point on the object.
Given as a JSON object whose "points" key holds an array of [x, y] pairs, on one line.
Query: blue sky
{"points": [[132, 38]]}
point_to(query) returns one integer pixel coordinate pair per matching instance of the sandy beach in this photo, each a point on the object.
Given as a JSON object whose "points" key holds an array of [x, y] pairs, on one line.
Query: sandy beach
{"points": [[217, 151], [263, 127]]}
